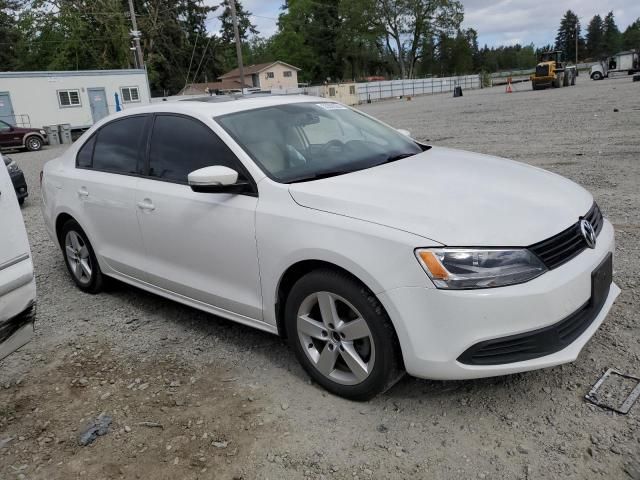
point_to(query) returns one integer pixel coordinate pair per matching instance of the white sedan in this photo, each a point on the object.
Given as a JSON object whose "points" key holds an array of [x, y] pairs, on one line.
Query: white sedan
{"points": [[374, 254]]}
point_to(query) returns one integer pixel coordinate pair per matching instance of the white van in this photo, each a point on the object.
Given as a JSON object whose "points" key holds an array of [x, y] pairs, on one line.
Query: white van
{"points": [[17, 282]]}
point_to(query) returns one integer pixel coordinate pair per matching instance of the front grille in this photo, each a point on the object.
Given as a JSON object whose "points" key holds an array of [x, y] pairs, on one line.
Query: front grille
{"points": [[542, 70], [562, 247], [547, 340]]}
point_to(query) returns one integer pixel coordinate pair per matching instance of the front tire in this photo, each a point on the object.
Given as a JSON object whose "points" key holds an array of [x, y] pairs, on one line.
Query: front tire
{"points": [[342, 336], [33, 143], [596, 76], [80, 258]]}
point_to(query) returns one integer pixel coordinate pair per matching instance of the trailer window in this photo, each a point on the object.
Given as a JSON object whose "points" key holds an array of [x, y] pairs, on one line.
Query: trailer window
{"points": [[130, 94], [69, 98]]}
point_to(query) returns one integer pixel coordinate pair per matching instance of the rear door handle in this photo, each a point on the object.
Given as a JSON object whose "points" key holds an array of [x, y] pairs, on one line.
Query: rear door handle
{"points": [[83, 192], [146, 204]]}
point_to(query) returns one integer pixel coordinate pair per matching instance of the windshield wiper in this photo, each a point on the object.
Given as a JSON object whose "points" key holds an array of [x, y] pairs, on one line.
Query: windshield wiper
{"points": [[319, 176], [400, 156]]}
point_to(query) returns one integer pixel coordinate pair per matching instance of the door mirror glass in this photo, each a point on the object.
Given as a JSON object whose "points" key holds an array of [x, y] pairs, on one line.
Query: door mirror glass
{"points": [[215, 179], [404, 132]]}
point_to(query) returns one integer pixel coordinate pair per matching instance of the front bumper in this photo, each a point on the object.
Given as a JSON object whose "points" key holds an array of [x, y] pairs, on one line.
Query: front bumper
{"points": [[17, 331], [20, 184], [17, 306], [435, 327]]}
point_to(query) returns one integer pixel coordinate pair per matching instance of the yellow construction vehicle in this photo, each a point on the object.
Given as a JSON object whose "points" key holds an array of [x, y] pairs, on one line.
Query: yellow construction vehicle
{"points": [[553, 71]]}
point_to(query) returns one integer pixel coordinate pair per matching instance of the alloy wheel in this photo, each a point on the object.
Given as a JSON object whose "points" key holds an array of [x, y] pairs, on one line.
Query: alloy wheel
{"points": [[33, 143], [336, 338], [78, 257]]}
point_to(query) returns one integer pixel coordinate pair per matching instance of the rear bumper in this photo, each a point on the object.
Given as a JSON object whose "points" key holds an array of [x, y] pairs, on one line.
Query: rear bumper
{"points": [[435, 327]]}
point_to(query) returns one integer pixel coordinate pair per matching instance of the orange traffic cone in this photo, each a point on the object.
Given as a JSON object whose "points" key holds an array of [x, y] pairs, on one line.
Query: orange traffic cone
{"points": [[508, 90]]}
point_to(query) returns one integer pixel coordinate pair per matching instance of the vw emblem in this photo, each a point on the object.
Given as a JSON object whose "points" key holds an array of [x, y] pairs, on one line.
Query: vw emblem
{"points": [[588, 233]]}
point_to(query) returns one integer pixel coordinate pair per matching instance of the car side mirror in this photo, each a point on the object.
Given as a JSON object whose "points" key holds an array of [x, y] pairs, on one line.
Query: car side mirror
{"points": [[404, 132], [216, 179]]}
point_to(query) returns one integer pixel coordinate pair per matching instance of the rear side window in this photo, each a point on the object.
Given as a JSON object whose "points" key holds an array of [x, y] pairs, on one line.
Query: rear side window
{"points": [[86, 153], [120, 145], [180, 145]]}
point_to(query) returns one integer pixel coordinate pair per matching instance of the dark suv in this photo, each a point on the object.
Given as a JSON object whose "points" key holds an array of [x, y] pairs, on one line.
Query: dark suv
{"points": [[15, 137]]}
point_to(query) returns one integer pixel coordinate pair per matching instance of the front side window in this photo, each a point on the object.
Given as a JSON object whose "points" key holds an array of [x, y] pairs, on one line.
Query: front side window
{"points": [[69, 98], [305, 141], [180, 145], [119, 146], [130, 94]]}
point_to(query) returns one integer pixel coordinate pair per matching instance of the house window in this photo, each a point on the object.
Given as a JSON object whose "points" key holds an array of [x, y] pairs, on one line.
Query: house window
{"points": [[332, 92], [270, 75], [130, 94], [352, 89], [69, 98], [286, 73]]}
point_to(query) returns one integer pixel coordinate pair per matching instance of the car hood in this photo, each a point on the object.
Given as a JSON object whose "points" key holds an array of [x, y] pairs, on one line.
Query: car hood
{"points": [[454, 197]]}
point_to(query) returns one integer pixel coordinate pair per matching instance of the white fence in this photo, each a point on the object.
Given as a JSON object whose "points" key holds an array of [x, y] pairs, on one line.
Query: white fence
{"points": [[372, 91]]}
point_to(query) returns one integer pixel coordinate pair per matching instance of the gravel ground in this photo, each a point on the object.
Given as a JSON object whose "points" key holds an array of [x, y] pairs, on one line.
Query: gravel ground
{"points": [[232, 402]]}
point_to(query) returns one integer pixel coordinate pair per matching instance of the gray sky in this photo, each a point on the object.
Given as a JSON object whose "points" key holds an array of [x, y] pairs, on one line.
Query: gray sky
{"points": [[497, 22]]}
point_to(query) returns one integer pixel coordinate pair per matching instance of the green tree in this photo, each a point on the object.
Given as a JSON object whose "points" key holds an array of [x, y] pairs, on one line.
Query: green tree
{"points": [[631, 36], [612, 39], [566, 36], [177, 48], [406, 23], [9, 33], [595, 37]]}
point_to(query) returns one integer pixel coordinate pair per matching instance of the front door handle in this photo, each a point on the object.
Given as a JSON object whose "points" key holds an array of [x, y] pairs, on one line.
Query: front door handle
{"points": [[146, 204], [83, 192]]}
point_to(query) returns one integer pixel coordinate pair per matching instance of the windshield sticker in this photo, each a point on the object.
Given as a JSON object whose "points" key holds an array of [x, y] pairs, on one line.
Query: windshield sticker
{"points": [[332, 106]]}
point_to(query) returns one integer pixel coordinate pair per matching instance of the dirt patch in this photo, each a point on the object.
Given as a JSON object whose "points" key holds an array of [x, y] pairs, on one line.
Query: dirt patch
{"points": [[169, 420]]}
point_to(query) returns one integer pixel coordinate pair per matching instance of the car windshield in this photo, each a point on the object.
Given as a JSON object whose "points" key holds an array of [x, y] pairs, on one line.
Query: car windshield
{"points": [[307, 141]]}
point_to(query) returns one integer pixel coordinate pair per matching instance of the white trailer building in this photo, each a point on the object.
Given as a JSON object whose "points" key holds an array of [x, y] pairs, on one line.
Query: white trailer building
{"points": [[79, 98]]}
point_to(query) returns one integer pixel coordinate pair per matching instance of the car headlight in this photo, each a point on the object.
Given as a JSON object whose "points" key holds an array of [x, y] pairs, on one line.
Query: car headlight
{"points": [[42, 132], [464, 268], [12, 167]]}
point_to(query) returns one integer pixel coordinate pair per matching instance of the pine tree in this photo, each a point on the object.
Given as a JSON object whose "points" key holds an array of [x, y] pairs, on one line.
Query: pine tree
{"points": [[595, 37], [9, 34], [245, 27], [566, 37], [631, 36], [612, 39]]}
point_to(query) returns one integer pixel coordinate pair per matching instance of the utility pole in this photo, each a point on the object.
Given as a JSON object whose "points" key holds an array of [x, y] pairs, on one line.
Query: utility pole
{"points": [[135, 33], [576, 45], [232, 6]]}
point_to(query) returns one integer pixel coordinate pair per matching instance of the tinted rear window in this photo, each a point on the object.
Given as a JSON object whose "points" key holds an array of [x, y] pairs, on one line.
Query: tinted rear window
{"points": [[119, 146], [86, 153]]}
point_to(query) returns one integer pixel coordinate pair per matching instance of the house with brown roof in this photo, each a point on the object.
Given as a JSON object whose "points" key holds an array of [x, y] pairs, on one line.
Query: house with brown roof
{"points": [[266, 76]]}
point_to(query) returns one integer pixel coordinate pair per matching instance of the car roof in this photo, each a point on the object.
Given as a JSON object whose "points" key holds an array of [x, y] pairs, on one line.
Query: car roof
{"points": [[217, 106]]}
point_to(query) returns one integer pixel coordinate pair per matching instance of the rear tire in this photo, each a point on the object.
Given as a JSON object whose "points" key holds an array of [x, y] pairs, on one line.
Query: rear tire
{"points": [[33, 143], [342, 336], [80, 258]]}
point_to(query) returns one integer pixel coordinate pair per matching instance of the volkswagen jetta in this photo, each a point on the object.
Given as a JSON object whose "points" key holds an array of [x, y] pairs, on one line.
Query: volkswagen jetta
{"points": [[373, 253]]}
